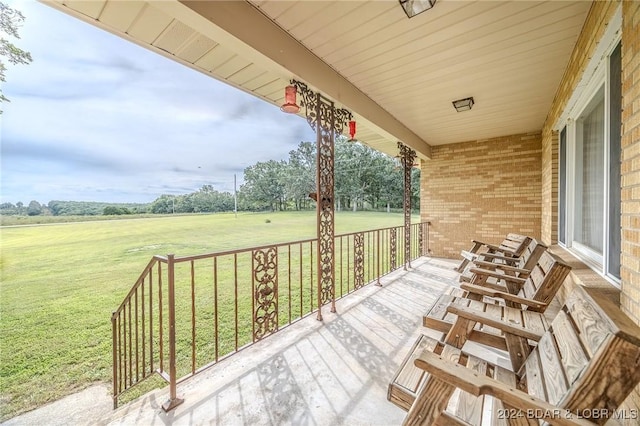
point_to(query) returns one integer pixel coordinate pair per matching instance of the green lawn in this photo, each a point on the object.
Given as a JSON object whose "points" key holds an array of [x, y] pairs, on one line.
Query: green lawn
{"points": [[60, 283]]}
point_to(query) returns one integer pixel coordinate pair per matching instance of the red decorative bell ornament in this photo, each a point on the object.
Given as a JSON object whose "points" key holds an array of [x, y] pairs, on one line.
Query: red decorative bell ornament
{"points": [[290, 106], [352, 131]]}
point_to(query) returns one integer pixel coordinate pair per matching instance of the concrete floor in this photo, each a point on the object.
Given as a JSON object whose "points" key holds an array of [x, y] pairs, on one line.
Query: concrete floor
{"points": [[312, 373]]}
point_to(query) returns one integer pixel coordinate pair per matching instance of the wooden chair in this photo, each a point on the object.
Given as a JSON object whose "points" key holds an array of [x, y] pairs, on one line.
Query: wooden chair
{"points": [[513, 245], [583, 368], [519, 266], [526, 296]]}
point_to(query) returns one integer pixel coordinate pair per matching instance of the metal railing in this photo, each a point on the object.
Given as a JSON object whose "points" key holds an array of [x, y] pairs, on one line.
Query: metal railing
{"points": [[184, 314]]}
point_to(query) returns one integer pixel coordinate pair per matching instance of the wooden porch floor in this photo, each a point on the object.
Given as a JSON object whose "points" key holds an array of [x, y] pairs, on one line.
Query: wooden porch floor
{"points": [[313, 373]]}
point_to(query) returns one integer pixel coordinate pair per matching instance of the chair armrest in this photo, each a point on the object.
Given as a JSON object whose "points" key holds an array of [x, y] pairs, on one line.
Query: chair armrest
{"points": [[483, 318], [496, 256], [483, 291], [494, 274], [477, 384], [505, 268], [482, 243]]}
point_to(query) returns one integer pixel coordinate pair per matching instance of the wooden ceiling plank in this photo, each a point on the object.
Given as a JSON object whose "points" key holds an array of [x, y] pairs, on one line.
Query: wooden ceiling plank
{"points": [[248, 73], [214, 58], [261, 80], [269, 88], [275, 9], [150, 23], [538, 60], [120, 15], [233, 65], [497, 36], [360, 39], [391, 44], [92, 9]]}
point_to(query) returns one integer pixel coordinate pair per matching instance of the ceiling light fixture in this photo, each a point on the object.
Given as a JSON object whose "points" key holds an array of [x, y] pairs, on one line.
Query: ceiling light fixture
{"points": [[414, 7], [463, 104]]}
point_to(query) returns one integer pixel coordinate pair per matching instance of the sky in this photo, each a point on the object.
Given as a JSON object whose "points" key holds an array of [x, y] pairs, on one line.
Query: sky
{"points": [[98, 118]]}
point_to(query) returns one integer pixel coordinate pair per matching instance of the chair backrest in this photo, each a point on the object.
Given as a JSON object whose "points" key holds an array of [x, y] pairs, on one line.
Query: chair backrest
{"points": [[545, 279], [531, 254], [588, 361], [515, 243]]}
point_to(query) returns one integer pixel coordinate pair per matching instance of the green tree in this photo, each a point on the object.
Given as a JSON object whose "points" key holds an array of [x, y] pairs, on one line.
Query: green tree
{"points": [[300, 176], [10, 22], [115, 211], [34, 209], [265, 185], [164, 204]]}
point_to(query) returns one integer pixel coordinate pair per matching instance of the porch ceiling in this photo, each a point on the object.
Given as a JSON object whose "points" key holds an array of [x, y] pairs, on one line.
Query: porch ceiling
{"points": [[398, 75]]}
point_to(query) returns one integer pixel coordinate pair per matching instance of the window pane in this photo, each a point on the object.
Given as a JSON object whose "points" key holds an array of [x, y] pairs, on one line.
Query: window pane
{"points": [[590, 175]]}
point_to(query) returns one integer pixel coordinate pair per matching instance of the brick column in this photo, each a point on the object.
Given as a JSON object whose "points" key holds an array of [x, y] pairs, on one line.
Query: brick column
{"points": [[630, 268]]}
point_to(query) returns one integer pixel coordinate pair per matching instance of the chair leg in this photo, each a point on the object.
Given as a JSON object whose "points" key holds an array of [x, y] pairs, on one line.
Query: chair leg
{"points": [[430, 403]]}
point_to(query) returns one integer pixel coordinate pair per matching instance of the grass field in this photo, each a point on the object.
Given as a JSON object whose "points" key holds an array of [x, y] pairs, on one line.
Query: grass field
{"points": [[60, 283]]}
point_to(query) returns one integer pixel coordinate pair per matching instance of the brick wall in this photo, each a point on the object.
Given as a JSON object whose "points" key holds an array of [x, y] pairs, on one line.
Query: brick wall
{"points": [[549, 232], [630, 269], [594, 27], [481, 190], [595, 24]]}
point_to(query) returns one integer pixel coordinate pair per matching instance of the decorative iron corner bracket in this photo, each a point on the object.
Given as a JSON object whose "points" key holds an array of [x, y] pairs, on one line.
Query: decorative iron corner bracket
{"points": [[332, 118]]}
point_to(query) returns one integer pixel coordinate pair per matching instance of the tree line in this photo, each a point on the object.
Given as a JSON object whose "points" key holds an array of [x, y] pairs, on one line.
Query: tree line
{"points": [[364, 179]]}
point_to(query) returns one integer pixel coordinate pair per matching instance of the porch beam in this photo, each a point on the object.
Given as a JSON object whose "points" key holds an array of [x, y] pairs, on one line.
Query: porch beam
{"points": [[243, 28]]}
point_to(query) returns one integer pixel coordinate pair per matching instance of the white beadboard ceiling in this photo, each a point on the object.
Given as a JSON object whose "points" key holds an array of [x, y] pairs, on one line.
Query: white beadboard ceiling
{"points": [[397, 75]]}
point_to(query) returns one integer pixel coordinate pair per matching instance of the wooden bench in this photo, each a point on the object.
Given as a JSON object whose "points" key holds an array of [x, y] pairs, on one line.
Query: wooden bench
{"points": [[531, 295], [585, 365], [513, 245]]}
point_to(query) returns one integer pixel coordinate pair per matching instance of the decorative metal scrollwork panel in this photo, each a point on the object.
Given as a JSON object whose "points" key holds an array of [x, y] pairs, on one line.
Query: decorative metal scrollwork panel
{"points": [[421, 239], [326, 214], [358, 260], [327, 121], [393, 249], [407, 157], [265, 297]]}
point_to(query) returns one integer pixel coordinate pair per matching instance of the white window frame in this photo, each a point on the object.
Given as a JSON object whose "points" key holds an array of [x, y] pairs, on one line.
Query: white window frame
{"points": [[596, 76]]}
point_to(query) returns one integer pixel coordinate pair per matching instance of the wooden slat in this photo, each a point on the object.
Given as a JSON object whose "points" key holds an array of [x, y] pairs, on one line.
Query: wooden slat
{"points": [[506, 326], [409, 376], [534, 281], [573, 356], [534, 379], [405, 384], [554, 380], [535, 321], [508, 378], [458, 302], [593, 330], [495, 312], [439, 308], [469, 406], [517, 346]]}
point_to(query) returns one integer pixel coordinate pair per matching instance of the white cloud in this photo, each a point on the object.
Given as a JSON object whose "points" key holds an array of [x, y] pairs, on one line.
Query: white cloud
{"points": [[95, 117]]}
